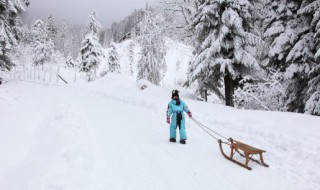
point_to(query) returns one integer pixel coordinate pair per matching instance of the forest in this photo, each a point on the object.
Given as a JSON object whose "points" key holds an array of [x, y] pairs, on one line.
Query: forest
{"points": [[252, 54]]}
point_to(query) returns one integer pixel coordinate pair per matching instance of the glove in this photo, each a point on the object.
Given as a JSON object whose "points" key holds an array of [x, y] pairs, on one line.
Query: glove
{"points": [[190, 114], [168, 120]]}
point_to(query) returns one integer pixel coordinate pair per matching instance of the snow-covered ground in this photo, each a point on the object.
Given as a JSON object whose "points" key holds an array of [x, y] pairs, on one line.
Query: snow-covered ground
{"points": [[110, 135]]}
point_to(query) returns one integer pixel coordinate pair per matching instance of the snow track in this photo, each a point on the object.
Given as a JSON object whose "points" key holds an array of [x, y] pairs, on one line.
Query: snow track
{"points": [[110, 135]]}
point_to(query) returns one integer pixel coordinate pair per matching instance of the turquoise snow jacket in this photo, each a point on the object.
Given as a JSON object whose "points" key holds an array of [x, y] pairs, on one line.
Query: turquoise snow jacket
{"points": [[173, 108]]}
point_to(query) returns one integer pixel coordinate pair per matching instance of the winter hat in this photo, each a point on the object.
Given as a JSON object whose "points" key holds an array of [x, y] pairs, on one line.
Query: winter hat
{"points": [[175, 93]]}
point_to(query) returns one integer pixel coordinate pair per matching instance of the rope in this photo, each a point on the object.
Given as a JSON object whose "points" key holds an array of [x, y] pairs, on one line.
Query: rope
{"points": [[206, 131], [205, 128]]}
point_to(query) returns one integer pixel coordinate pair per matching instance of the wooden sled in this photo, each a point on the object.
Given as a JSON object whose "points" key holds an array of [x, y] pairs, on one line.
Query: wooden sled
{"points": [[243, 150]]}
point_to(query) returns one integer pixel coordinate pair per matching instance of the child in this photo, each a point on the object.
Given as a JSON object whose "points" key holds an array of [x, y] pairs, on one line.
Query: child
{"points": [[175, 110]]}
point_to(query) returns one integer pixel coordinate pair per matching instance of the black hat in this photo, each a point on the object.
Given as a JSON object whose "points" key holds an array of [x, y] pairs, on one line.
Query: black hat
{"points": [[175, 93]]}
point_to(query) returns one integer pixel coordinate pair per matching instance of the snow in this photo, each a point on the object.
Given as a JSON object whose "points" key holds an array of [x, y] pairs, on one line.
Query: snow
{"points": [[110, 135]]}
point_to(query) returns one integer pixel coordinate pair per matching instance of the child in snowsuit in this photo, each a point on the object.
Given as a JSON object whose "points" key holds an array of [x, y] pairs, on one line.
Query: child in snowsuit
{"points": [[175, 110]]}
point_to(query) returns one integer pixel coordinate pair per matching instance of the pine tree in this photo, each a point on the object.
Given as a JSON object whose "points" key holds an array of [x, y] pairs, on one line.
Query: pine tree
{"points": [[75, 37], [148, 69], [131, 57], [10, 30], [291, 31], [70, 62], [152, 65], [91, 50], [312, 99], [64, 42], [42, 47], [51, 29], [225, 44], [113, 59], [94, 25], [283, 28], [90, 53], [38, 43], [313, 104]]}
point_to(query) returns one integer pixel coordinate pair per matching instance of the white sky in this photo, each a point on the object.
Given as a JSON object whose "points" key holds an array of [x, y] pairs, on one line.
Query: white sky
{"points": [[77, 11]]}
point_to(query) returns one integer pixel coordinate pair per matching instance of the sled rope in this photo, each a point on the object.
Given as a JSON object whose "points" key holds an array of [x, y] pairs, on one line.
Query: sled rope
{"points": [[207, 129]]}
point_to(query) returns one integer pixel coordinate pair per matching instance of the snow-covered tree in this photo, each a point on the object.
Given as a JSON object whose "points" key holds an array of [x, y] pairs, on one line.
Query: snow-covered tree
{"points": [[90, 53], [313, 101], [91, 50], [64, 41], [75, 38], [178, 15], [131, 57], [113, 59], [291, 32], [152, 65], [10, 29], [312, 10], [42, 47], [267, 94], [70, 63], [225, 43], [313, 104], [38, 42], [94, 25], [52, 29], [147, 68], [283, 29]]}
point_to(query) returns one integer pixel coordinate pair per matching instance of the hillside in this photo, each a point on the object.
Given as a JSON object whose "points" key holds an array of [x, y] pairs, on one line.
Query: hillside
{"points": [[111, 135]]}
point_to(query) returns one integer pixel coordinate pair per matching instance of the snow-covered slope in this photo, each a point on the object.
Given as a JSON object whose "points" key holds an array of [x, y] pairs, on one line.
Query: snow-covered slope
{"points": [[111, 135]]}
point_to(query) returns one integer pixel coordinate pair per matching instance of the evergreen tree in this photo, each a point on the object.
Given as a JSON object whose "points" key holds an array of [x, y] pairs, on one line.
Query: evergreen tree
{"points": [[43, 48], [225, 44], [38, 42], [131, 57], [291, 31], [147, 68], [94, 25], [113, 59], [90, 54], [64, 40], [70, 62], [10, 29], [51, 29], [75, 36], [313, 104], [91, 50], [312, 99], [152, 65]]}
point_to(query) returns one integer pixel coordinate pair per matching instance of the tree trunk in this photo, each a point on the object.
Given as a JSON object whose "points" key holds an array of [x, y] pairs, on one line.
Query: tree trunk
{"points": [[206, 95], [229, 90]]}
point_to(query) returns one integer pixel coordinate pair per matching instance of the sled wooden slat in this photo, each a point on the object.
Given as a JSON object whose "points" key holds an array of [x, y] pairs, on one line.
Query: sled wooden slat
{"points": [[246, 148], [248, 153]]}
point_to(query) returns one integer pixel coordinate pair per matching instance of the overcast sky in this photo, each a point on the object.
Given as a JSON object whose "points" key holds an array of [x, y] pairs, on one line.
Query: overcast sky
{"points": [[77, 11]]}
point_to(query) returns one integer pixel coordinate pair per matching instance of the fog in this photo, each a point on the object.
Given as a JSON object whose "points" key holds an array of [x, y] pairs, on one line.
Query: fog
{"points": [[77, 11]]}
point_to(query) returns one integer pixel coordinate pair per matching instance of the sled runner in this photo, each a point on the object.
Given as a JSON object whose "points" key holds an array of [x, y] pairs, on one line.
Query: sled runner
{"points": [[243, 150]]}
